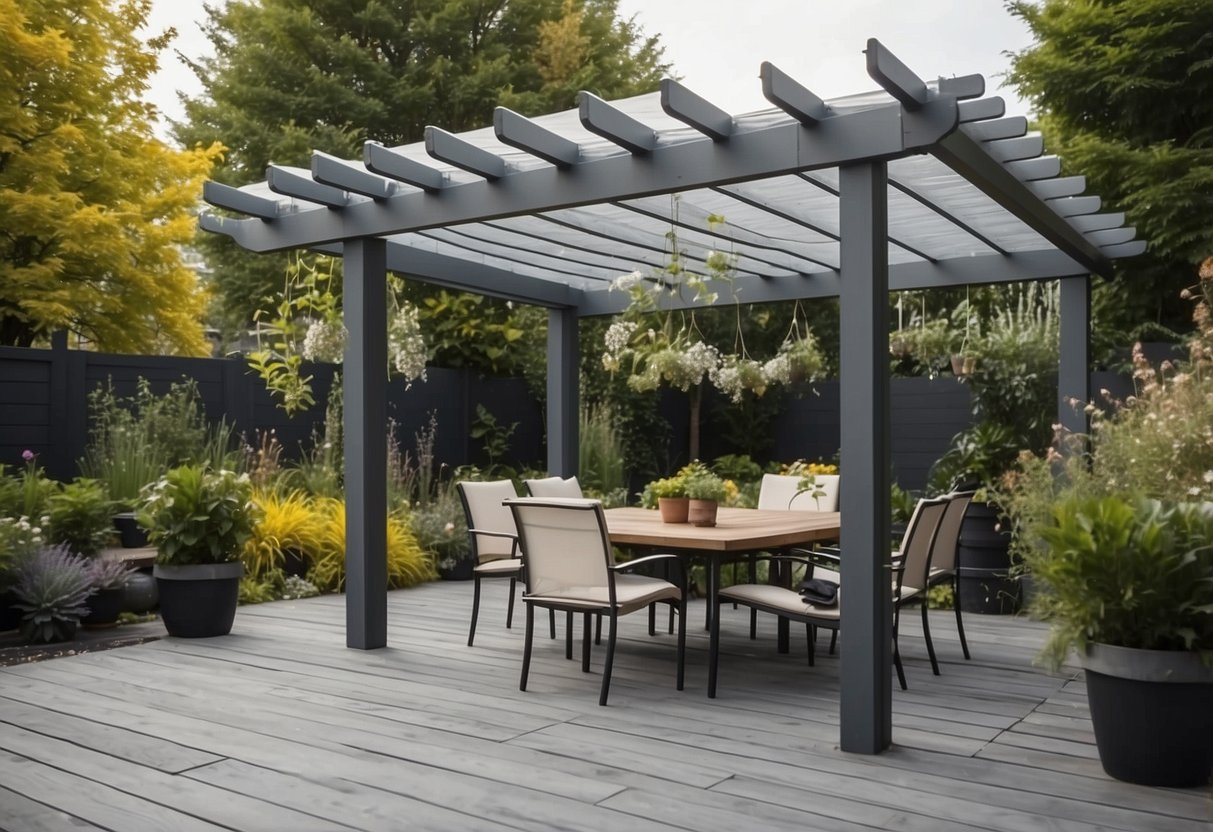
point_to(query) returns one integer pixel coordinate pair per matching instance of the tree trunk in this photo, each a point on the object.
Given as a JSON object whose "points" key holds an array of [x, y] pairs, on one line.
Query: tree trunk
{"points": [[696, 402]]}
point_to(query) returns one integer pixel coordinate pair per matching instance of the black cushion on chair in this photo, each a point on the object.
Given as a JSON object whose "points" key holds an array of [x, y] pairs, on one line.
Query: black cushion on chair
{"points": [[819, 592]]}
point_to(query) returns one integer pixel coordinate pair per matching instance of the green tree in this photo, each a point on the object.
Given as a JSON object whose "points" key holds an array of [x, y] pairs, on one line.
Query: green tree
{"points": [[92, 206], [1124, 92], [290, 76]]}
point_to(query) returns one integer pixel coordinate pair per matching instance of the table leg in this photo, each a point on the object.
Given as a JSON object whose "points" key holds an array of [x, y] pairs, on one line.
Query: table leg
{"points": [[713, 573]]}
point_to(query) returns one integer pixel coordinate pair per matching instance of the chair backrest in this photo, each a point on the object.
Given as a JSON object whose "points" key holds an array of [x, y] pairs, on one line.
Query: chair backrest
{"points": [[918, 541], [554, 487], [947, 540], [778, 492], [564, 544], [482, 506]]}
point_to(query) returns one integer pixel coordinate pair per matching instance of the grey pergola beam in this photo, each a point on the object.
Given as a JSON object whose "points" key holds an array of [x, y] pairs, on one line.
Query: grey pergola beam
{"points": [[234, 199], [690, 108], [1027, 170], [994, 129], [1012, 150], [1112, 236], [751, 239], [450, 148], [614, 125], [300, 185], [625, 261], [338, 173], [524, 134], [1124, 249], [970, 160], [963, 87], [947, 215], [983, 109], [880, 132], [789, 95], [747, 290], [917, 252], [387, 162], [1056, 188], [896, 78], [1073, 206], [537, 261], [1097, 222]]}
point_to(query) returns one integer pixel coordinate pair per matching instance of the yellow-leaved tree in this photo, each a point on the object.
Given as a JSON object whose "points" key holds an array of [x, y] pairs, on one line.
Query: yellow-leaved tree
{"points": [[93, 206]]}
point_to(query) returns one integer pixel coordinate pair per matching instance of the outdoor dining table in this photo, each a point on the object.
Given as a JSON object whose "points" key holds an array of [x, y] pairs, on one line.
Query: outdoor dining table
{"points": [[737, 531]]}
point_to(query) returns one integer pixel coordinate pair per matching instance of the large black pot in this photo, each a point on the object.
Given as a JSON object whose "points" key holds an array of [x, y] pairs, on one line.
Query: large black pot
{"points": [[983, 561], [198, 600], [1151, 713], [130, 533], [10, 616]]}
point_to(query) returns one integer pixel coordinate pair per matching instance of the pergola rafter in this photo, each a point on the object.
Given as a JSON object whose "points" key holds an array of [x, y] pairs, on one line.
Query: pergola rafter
{"points": [[544, 210]]}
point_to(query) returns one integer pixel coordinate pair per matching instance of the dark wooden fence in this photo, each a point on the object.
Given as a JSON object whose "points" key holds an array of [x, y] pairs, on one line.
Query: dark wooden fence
{"points": [[44, 408], [44, 404]]}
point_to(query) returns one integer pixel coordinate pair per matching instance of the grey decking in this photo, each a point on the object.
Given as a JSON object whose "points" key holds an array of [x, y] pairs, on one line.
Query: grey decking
{"points": [[280, 727]]}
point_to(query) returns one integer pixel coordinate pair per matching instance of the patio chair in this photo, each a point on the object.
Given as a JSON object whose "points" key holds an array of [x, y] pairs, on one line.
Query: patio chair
{"points": [[570, 566], [943, 557], [911, 565], [494, 541], [554, 487]]}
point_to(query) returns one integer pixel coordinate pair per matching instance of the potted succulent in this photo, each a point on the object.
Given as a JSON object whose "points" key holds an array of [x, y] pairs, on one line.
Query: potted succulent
{"points": [[705, 492], [198, 520], [1129, 584], [52, 588]]}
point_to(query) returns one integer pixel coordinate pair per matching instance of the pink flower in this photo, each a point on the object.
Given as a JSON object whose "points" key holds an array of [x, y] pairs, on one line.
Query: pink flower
{"points": [[27, 455]]}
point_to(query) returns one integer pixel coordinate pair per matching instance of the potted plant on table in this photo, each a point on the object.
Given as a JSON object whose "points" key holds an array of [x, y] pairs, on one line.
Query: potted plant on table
{"points": [[198, 520], [670, 495], [705, 492]]}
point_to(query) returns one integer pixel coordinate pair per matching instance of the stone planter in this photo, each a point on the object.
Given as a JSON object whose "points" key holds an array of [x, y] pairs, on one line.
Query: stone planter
{"points": [[198, 600], [673, 509], [1151, 713], [702, 512], [139, 595]]}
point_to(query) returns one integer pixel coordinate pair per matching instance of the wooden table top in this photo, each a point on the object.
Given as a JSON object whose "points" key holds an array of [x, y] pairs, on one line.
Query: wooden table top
{"points": [[736, 529]]}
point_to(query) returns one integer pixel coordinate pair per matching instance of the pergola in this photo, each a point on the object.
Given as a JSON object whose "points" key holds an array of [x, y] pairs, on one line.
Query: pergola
{"points": [[912, 186]]}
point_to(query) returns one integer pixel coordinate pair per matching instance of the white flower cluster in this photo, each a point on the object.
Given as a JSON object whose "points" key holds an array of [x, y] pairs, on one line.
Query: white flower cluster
{"points": [[627, 281], [778, 370], [324, 341], [618, 337], [405, 344], [20, 536], [699, 360], [733, 376]]}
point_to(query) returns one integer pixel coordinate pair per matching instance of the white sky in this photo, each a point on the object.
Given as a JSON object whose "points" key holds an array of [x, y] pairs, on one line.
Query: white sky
{"points": [[717, 45]]}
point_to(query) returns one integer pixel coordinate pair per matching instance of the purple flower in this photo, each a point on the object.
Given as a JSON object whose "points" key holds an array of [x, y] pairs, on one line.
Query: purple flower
{"points": [[27, 455]]}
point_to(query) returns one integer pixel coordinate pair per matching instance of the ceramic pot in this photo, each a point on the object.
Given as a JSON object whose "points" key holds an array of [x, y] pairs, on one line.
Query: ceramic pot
{"points": [[702, 512], [673, 509]]}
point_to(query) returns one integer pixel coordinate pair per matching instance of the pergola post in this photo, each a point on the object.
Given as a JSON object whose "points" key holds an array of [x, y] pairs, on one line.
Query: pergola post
{"points": [[1073, 370], [866, 680], [563, 391], [364, 296]]}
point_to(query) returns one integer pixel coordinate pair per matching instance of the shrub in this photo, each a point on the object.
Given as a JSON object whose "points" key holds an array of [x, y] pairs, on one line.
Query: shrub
{"points": [[198, 516], [407, 565], [81, 517], [285, 522]]}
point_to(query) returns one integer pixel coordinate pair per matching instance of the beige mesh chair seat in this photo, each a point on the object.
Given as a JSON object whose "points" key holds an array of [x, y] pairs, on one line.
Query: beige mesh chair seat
{"points": [[493, 539], [569, 566], [554, 487], [911, 566]]}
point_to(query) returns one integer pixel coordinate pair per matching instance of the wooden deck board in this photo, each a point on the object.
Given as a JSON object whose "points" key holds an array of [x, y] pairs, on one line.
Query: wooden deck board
{"points": [[281, 726]]}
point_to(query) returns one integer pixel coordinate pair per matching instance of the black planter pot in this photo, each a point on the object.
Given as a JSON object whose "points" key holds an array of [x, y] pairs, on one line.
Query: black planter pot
{"points": [[103, 608], [130, 533], [461, 570], [983, 561], [198, 600], [1151, 713]]}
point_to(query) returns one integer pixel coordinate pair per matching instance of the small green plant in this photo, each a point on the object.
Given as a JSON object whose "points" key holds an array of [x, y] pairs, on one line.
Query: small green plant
{"points": [[81, 517], [198, 516], [26, 492], [494, 436], [19, 540], [52, 588], [902, 504], [737, 467], [600, 451], [702, 484], [441, 529]]}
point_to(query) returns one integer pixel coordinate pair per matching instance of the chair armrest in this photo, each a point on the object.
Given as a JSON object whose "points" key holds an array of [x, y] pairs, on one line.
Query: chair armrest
{"points": [[507, 535], [620, 567]]}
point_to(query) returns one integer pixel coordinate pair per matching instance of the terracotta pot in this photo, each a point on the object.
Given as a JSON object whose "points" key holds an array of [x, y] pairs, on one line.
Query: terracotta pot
{"points": [[702, 513], [673, 509]]}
